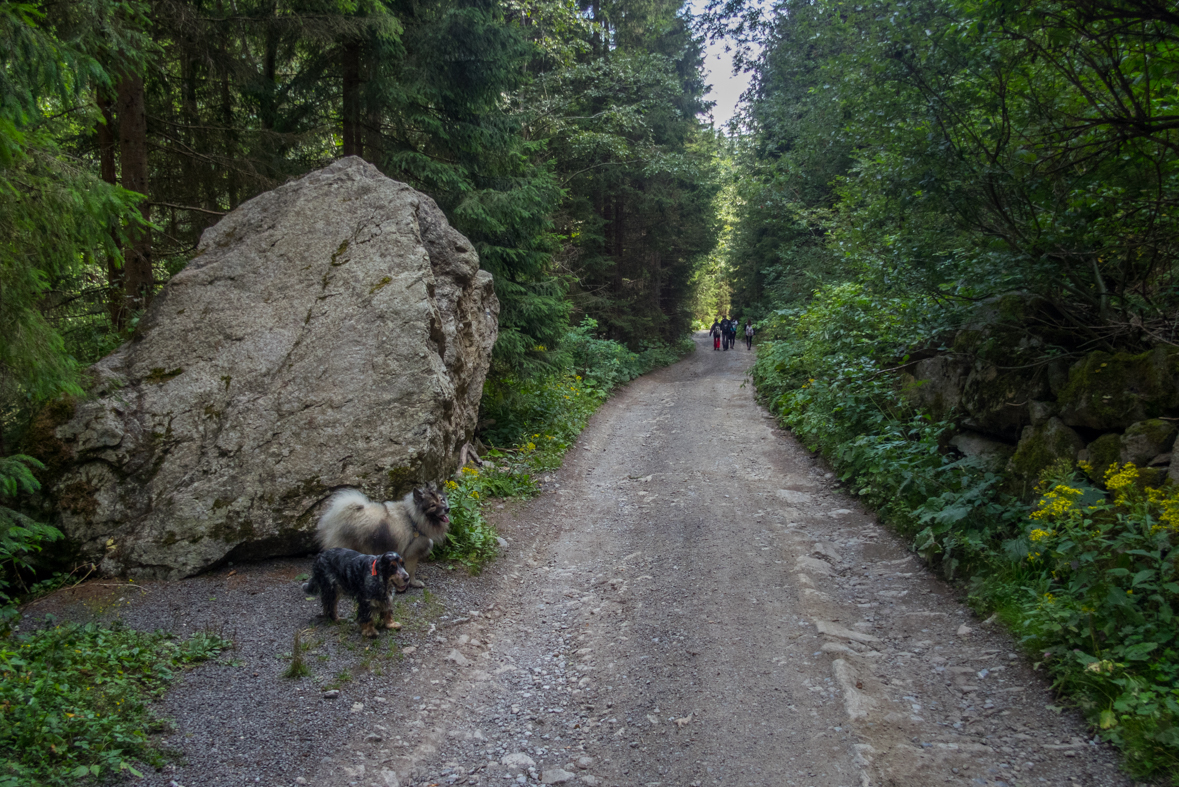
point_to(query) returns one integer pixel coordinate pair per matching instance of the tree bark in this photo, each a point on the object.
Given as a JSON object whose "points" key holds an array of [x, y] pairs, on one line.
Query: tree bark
{"points": [[138, 282], [350, 114], [116, 301]]}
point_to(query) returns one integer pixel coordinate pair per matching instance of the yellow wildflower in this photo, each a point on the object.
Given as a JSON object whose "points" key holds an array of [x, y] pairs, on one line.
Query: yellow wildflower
{"points": [[1039, 535], [1057, 502], [1121, 480]]}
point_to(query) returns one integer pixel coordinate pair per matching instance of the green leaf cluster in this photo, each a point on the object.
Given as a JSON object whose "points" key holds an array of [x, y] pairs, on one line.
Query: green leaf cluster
{"points": [[75, 700]]}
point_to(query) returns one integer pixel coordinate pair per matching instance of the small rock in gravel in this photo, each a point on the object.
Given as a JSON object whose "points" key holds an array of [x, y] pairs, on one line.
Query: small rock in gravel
{"points": [[410, 649], [457, 658], [584, 762], [964, 630], [300, 780], [592, 781], [331, 695], [373, 737], [556, 776], [518, 760], [357, 707], [823, 549]]}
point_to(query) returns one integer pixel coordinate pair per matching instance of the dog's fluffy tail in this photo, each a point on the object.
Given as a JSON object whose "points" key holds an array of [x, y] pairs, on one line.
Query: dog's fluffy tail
{"points": [[352, 521]]}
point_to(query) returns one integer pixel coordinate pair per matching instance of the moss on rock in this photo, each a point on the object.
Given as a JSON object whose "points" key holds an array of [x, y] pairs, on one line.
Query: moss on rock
{"points": [[1112, 391], [1103, 452], [1040, 446]]}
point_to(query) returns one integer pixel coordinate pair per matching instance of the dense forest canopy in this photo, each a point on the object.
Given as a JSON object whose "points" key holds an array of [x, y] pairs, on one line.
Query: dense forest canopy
{"points": [[960, 150], [564, 139]]}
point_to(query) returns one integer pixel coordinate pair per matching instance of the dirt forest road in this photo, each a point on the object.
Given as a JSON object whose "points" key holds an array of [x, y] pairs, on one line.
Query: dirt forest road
{"points": [[692, 601], [698, 604]]}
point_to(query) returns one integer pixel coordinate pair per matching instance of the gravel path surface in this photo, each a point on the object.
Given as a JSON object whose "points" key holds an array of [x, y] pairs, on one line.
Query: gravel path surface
{"points": [[692, 601]]}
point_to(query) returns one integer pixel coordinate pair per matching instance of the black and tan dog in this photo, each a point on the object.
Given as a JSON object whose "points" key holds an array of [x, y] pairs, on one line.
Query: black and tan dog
{"points": [[370, 579]]}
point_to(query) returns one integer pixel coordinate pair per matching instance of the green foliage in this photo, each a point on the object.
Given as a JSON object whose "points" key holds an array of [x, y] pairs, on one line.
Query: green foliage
{"points": [[550, 411], [20, 536], [54, 215], [1087, 580], [75, 700], [638, 168], [1098, 594], [823, 372], [472, 541]]}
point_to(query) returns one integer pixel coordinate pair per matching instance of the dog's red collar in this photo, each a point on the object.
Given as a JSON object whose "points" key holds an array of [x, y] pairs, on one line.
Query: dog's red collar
{"points": [[374, 566]]}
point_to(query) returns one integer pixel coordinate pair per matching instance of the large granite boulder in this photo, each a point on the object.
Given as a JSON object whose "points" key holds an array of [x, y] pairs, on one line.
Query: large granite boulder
{"points": [[335, 331]]}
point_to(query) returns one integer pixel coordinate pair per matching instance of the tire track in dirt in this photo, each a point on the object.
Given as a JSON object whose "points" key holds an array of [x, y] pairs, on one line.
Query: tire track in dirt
{"points": [[692, 601]]}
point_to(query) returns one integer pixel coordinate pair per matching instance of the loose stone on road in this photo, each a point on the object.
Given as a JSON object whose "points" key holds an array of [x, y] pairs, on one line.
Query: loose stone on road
{"points": [[693, 601]]}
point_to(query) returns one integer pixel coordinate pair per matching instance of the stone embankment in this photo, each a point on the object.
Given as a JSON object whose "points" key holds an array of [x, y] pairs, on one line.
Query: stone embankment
{"points": [[1021, 401]]}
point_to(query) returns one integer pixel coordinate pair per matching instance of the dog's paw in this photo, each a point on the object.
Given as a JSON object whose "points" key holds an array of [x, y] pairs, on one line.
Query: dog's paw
{"points": [[394, 625], [416, 583]]}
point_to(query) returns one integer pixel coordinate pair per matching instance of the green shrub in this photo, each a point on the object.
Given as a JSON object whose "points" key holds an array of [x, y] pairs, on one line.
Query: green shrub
{"points": [[472, 541], [1100, 589], [74, 700], [1087, 580], [20, 536]]}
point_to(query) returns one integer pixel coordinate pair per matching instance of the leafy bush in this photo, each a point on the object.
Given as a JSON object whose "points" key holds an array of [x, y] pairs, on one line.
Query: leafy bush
{"points": [[1087, 579], [824, 374], [20, 536], [75, 700], [471, 540], [1098, 605], [554, 408]]}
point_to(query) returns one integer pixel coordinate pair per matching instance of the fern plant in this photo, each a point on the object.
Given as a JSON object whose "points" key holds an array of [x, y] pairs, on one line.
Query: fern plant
{"points": [[20, 535]]}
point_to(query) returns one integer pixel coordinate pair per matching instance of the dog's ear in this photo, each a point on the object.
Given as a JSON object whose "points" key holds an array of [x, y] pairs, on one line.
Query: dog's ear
{"points": [[419, 495]]}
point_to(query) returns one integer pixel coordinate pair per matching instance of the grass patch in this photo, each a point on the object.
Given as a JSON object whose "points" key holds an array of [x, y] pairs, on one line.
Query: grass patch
{"points": [[74, 700], [297, 668], [342, 677]]}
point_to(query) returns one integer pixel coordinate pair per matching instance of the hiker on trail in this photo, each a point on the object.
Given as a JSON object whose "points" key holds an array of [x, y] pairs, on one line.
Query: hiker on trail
{"points": [[715, 333], [724, 327], [749, 331], [734, 324]]}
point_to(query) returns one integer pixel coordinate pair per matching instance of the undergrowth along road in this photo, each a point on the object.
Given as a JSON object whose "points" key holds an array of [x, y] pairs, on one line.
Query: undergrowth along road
{"points": [[691, 600]]}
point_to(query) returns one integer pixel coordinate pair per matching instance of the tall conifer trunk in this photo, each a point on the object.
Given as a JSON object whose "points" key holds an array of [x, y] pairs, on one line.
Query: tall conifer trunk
{"points": [[116, 301], [138, 282], [353, 138]]}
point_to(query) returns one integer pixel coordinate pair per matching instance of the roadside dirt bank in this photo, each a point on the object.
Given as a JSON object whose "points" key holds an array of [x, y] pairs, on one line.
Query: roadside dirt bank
{"points": [[691, 601]]}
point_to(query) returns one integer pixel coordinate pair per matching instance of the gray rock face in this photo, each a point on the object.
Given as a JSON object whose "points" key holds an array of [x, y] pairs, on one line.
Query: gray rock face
{"points": [[335, 331], [942, 379], [991, 454], [1040, 446]]}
